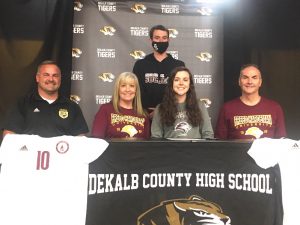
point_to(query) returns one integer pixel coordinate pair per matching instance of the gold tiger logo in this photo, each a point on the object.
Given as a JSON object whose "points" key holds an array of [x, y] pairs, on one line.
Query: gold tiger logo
{"points": [[204, 56], [207, 102], [76, 52], [108, 30], [192, 211], [173, 33], [138, 8], [138, 54], [75, 98], [78, 6], [205, 11], [107, 77]]}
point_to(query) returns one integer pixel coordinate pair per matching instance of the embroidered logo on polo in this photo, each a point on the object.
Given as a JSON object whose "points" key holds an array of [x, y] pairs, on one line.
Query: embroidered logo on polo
{"points": [[63, 113]]}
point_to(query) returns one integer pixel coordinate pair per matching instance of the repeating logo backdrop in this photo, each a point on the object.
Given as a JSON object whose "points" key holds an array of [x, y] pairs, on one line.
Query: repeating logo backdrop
{"points": [[109, 36]]}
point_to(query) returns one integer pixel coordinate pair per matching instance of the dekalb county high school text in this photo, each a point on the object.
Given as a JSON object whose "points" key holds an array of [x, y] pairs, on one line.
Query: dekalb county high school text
{"points": [[103, 183]]}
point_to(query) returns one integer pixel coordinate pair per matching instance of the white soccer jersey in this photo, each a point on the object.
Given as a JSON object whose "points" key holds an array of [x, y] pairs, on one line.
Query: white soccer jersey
{"points": [[43, 181], [286, 152]]}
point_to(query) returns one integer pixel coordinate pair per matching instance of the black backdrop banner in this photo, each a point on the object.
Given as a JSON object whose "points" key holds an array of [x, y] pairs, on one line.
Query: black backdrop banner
{"points": [[110, 36], [176, 183]]}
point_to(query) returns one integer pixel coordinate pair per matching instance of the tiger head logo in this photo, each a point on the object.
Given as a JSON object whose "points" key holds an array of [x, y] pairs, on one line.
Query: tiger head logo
{"points": [[192, 211], [204, 56], [139, 8], [205, 11], [138, 54], [108, 30], [173, 33], [107, 77], [78, 6], [207, 102], [254, 131], [76, 52], [75, 98]]}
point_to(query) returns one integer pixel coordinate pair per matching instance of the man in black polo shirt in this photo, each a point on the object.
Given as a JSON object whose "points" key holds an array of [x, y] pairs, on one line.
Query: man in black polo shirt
{"points": [[44, 112]]}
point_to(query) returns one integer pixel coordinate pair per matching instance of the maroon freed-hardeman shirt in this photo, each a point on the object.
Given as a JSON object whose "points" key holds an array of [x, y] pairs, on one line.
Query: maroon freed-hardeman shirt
{"points": [[239, 121]]}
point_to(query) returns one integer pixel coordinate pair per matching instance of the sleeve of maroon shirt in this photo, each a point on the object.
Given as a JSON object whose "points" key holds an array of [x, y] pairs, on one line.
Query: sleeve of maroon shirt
{"points": [[100, 123], [280, 128], [221, 131], [147, 128]]}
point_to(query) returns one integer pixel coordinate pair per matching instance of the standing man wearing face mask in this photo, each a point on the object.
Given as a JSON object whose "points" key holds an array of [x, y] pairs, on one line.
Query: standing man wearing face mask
{"points": [[153, 71]]}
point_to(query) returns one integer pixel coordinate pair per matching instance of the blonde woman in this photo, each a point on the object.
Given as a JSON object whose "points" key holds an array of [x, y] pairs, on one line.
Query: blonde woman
{"points": [[124, 116]]}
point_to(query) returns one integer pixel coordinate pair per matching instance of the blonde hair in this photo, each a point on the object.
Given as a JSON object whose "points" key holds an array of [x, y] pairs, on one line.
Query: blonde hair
{"points": [[137, 102]]}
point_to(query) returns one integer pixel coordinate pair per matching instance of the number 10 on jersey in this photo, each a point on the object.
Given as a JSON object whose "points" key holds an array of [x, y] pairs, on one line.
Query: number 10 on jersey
{"points": [[42, 162]]}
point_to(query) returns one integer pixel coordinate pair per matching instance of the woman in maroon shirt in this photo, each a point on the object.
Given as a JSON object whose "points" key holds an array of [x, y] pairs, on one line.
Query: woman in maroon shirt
{"points": [[124, 116]]}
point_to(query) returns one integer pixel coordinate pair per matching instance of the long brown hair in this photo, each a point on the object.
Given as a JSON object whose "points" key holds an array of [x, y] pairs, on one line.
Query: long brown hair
{"points": [[168, 107]]}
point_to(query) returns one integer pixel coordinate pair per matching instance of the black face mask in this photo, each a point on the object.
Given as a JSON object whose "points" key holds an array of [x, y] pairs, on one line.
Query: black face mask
{"points": [[160, 47]]}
